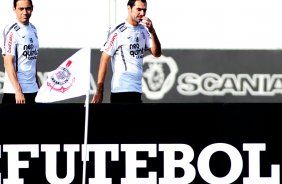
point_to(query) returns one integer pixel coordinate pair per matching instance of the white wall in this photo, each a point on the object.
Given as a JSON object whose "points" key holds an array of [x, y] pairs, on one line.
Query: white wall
{"points": [[188, 24]]}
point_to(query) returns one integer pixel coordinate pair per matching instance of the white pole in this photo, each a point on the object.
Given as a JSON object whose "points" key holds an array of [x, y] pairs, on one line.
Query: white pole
{"points": [[112, 12], [84, 149], [109, 23]]}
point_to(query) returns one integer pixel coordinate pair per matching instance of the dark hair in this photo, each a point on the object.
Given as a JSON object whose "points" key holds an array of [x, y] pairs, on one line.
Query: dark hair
{"points": [[132, 2], [15, 3]]}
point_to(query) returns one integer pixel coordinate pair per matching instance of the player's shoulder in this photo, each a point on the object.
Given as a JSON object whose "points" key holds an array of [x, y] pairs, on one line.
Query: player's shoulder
{"points": [[120, 27], [32, 26], [12, 26]]}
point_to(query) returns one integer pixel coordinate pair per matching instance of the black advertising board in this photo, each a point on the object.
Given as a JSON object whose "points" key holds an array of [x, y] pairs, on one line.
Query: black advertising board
{"points": [[148, 143]]}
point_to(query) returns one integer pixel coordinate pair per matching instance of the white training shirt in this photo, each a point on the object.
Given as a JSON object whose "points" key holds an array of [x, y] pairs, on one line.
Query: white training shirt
{"points": [[127, 45], [21, 41]]}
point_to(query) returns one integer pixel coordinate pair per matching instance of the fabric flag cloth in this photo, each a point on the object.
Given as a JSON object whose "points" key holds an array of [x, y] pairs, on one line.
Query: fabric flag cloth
{"points": [[71, 79]]}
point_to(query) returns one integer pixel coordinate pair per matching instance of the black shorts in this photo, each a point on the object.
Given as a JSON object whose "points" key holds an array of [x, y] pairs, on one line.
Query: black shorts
{"points": [[9, 98], [126, 97]]}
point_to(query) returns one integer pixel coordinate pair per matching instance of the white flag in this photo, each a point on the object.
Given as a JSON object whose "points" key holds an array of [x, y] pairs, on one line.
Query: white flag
{"points": [[71, 79]]}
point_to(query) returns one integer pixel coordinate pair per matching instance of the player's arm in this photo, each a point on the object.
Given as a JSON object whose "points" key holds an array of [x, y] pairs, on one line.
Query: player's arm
{"points": [[12, 75], [104, 61], [156, 49], [37, 79]]}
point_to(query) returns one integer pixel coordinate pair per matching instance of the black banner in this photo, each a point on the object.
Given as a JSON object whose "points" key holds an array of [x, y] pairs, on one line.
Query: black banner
{"points": [[148, 143]]}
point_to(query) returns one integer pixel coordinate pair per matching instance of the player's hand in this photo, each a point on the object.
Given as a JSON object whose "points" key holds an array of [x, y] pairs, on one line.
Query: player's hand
{"points": [[97, 98], [20, 99], [148, 24]]}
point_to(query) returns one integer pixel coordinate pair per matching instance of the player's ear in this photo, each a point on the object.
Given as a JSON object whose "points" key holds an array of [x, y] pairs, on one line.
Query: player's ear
{"points": [[128, 8]]}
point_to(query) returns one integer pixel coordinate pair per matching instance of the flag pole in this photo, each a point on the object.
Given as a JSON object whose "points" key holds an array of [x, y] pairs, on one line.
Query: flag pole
{"points": [[84, 149]]}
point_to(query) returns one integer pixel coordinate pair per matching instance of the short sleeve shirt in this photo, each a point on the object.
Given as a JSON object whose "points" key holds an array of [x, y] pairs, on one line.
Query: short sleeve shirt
{"points": [[127, 45], [21, 41]]}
